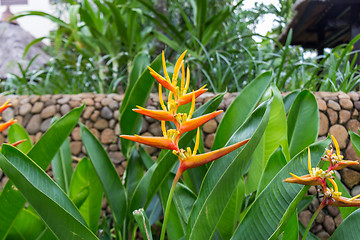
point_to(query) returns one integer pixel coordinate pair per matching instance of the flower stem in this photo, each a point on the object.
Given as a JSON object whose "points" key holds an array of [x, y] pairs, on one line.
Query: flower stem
{"points": [[321, 206], [168, 204]]}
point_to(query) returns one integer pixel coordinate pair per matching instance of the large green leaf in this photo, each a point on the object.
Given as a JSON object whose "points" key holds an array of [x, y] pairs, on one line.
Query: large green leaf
{"points": [[289, 100], [176, 226], [241, 108], [44, 195], [17, 133], [12, 203], [41, 153], [265, 214], [303, 122], [224, 175], [84, 178], [27, 226], [230, 216], [349, 228], [137, 95], [105, 170], [292, 228], [276, 162], [275, 135], [62, 166], [152, 180]]}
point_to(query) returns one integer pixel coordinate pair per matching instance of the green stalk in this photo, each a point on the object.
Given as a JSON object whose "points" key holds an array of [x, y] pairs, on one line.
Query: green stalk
{"points": [[321, 206], [168, 204]]}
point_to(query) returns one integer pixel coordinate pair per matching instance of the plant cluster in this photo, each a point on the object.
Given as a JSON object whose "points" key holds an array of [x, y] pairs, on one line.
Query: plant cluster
{"points": [[93, 53], [318, 177], [242, 195]]}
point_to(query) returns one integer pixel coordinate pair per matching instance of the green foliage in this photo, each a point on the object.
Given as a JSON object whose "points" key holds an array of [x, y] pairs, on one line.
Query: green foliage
{"points": [[223, 206]]}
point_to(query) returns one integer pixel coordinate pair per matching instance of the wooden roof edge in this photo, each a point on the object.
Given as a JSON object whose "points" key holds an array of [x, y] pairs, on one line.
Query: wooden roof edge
{"points": [[299, 7]]}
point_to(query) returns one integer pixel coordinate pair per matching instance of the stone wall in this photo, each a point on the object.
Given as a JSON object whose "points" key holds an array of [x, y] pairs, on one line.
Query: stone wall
{"points": [[338, 113]]}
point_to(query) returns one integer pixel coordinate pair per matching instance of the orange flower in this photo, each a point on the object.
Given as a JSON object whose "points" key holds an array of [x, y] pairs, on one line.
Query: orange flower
{"points": [[156, 114], [315, 177], [4, 126], [336, 160], [158, 142]]}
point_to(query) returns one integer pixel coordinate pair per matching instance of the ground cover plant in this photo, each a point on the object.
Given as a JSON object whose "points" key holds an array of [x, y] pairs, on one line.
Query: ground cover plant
{"points": [[236, 191]]}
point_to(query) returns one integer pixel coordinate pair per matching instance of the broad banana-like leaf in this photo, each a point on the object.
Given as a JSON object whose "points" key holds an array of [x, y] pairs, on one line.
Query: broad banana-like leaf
{"points": [[44, 195], [349, 228], [113, 187], [224, 175], [42, 153], [303, 122], [266, 213], [85, 177], [241, 109]]}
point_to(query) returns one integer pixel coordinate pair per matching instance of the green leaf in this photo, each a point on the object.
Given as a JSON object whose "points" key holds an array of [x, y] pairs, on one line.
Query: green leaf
{"points": [[41, 153], [278, 198], [176, 226], [303, 122], [141, 60], [289, 100], [105, 170], [355, 141], [276, 162], [17, 133], [137, 95], [62, 166], [349, 228], [143, 222], [12, 203], [85, 178], [224, 175], [241, 108], [292, 228], [275, 135], [229, 218], [27, 226], [48, 200]]}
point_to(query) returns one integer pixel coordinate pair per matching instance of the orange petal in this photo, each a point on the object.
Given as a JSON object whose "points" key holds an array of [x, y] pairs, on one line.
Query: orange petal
{"points": [[305, 180], [156, 114], [162, 80], [343, 202], [197, 122], [18, 142], [201, 159], [344, 163], [5, 106], [158, 142], [7, 124], [188, 97]]}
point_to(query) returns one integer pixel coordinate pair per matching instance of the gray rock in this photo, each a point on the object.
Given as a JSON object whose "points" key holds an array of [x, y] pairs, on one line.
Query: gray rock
{"points": [[8, 114], [355, 191], [34, 124], [64, 109], [45, 125], [24, 109], [48, 112], [329, 224], [323, 235], [333, 211], [106, 113]]}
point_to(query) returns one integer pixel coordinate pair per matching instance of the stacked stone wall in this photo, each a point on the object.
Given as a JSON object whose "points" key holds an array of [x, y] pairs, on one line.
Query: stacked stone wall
{"points": [[339, 112]]}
